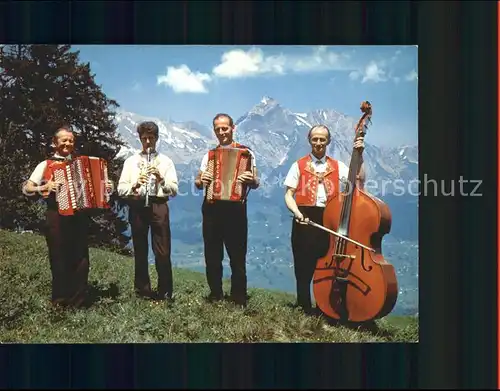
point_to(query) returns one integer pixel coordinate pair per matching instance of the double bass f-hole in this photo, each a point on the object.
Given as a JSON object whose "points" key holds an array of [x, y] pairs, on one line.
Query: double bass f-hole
{"points": [[367, 269], [339, 256]]}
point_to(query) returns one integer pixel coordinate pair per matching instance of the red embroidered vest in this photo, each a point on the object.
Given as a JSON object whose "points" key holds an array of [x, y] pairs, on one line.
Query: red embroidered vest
{"points": [[305, 194]]}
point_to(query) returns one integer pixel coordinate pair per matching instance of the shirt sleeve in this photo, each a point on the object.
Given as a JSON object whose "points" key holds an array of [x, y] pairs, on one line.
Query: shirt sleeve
{"points": [[170, 184], [292, 178], [125, 182], [254, 164], [204, 163], [37, 174], [343, 171]]}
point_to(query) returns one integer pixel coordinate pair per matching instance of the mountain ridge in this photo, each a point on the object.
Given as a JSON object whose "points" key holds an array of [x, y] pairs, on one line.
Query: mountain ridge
{"points": [[278, 138]]}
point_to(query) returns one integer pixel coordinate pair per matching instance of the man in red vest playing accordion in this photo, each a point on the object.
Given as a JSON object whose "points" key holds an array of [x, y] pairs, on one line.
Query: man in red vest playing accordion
{"points": [[66, 235], [225, 219], [313, 180]]}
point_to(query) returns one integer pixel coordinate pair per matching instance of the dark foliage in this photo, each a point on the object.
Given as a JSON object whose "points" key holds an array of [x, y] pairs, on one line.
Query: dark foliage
{"points": [[41, 88]]}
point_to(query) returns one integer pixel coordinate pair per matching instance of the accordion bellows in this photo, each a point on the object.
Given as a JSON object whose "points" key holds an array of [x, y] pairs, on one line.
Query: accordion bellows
{"points": [[83, 183], [226, 164]]}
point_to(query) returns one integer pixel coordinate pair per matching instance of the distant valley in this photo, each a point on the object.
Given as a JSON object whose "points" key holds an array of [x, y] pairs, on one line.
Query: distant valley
{"points": [[278, 137]]}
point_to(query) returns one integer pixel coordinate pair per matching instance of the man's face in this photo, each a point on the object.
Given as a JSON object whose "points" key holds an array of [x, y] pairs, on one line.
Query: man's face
{"points": [[148, 140], [223, 131], [319, 141], [64, 142]]}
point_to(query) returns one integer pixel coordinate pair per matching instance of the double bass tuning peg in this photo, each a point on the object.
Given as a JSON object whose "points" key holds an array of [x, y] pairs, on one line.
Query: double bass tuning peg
{"points": [[361, 126], [366, 107]]}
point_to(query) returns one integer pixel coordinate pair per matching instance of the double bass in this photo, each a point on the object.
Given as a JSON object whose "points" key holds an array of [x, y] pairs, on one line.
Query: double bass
{"points": [[353, 282]]}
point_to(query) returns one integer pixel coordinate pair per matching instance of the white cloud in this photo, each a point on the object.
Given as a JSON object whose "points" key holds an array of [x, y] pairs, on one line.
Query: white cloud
{"points": [[374, 73], [253, 62], [354, 75], [396, 56], [182, 79], [411, 76], [382, 70], [238, 63]]}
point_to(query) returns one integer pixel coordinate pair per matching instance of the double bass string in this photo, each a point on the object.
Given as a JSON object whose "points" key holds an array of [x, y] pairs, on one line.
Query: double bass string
{"points": [[341, 245]]}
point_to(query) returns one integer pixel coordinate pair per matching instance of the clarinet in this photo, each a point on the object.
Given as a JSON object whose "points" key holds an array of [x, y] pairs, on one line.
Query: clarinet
{"points": [[148, 154]]}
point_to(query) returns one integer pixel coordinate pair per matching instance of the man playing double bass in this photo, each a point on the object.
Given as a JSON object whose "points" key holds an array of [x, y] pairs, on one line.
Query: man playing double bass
{"points": [[310, 183]]}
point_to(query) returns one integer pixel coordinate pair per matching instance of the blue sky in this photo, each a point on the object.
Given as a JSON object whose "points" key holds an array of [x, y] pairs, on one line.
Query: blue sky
{"points": [[195, 82]]}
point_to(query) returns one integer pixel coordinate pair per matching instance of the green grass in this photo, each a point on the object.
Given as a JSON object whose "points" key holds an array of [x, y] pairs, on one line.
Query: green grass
{"points": [[117, 316]]}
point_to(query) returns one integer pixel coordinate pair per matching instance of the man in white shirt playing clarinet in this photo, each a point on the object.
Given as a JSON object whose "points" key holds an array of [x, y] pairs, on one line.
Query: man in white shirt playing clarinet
{"points": [[147, 181]]}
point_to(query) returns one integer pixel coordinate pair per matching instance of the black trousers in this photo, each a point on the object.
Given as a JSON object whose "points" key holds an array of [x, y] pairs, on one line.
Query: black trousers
{"points": [[141, 219], [67, 243], [225, 224], [308, 244]]}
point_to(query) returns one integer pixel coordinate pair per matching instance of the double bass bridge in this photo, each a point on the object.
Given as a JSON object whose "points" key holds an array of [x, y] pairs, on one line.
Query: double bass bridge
{"points": [[344, 256], [339, 257]]}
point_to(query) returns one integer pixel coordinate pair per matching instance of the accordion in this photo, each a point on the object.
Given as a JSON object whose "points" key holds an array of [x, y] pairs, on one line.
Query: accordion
{"points": [[226, 164], [83, 183]]}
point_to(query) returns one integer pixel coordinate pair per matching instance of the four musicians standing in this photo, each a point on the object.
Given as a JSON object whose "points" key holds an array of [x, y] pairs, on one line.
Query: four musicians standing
{"points": [[150, 177]]}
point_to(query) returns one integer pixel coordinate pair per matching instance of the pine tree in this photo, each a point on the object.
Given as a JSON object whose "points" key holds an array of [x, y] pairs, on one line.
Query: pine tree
{"points": [[41, 88]]}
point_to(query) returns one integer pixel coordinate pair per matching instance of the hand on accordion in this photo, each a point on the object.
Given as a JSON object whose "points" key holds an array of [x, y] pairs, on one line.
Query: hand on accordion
{"points": [[246, 177], [109, 187], [51, 186], [206, 178]]}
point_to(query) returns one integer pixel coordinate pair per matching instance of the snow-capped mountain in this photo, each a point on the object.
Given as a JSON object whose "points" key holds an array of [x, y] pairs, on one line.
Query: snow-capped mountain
{"points": [[182, 142], [278, 137]]}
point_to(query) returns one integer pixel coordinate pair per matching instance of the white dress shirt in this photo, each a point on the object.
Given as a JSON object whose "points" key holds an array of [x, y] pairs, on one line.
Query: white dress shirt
{"points": [[319, 166], [132, 170]]}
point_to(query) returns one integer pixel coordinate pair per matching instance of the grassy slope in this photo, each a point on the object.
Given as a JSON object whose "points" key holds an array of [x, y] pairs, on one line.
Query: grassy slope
{"points": [[117, 316]]}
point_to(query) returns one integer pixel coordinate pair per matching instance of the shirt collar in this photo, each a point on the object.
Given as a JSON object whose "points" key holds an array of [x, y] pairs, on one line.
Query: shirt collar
{"points": [[232, 145], [141, 153], [316, 160], [59, 157]]}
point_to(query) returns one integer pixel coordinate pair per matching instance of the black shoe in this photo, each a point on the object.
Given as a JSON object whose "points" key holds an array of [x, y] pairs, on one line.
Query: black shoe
{"points": [[213, 297], [169, 297], [238, 300], [305, 307], [145, 294], [310, 311]]}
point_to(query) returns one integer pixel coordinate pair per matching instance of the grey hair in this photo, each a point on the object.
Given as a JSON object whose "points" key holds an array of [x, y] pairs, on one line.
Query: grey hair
{"points": [[319, 127]]}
